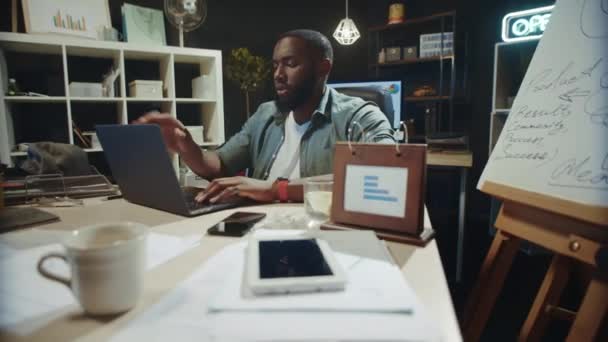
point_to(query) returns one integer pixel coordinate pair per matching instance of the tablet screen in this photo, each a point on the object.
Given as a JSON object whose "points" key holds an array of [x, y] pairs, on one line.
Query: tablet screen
{"points": [[292, 258]]}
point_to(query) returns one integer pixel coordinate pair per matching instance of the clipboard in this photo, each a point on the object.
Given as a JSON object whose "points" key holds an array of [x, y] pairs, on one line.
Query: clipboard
{"points": [[380, 187]]}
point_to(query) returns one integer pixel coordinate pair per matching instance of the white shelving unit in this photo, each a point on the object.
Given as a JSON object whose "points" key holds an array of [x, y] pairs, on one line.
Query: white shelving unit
{"points": [[510, 64], [48, 64]]}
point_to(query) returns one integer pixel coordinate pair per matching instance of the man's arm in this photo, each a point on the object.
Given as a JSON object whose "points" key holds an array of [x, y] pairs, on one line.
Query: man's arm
{"points": [[227, 189], [206, 164], [295, 188], [178, 140]]}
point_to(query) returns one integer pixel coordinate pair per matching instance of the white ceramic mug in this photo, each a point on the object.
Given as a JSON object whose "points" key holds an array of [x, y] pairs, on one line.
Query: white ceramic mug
{"points": [[107, 263]]}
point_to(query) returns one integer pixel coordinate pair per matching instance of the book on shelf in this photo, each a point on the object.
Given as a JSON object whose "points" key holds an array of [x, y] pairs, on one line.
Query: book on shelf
{"points": [[78, 134]]}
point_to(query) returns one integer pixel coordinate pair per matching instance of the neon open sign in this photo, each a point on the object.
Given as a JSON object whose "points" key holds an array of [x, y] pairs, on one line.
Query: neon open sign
{"points": [[525, 25]]}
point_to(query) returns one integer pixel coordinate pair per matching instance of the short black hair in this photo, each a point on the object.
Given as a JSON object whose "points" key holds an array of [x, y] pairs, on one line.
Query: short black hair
{"points": [[314, 39]]}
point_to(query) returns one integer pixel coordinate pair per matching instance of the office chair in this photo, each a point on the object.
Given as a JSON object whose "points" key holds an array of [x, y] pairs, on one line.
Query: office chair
{"points": [[374, 94]]}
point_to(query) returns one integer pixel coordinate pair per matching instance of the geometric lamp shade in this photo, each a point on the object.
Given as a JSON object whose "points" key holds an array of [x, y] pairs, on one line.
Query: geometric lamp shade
{"points": [[346, 33]]}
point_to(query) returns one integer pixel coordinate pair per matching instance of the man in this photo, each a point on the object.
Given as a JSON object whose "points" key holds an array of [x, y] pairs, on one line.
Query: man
{"points": [[291, 137]]}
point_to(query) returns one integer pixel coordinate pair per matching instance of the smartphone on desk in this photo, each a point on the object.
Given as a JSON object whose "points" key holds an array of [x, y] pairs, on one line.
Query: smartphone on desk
{"points": [[237, 224]]}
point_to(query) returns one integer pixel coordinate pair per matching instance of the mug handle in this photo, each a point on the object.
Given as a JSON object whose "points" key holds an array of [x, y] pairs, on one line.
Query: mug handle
{"points": [[49, 275]]}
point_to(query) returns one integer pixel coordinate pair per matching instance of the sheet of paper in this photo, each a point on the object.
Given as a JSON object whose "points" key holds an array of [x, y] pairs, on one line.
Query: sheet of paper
{"points": [[183, 314], [555, 139], [25, 294], [385, 291], [162, 247]]}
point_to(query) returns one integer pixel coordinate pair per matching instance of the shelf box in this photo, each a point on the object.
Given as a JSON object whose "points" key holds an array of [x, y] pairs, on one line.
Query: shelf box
{"points": [[85, 89], [195, 77], [150, 67], [432, 45], [146, 89], [203, 87]]}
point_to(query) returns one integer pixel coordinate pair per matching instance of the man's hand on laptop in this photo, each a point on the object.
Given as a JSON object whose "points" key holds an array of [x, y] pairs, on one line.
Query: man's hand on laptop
{"points": [[231, 188], [176, 136]]}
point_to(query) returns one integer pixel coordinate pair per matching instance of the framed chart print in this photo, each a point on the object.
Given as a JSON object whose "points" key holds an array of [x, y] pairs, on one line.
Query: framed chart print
{"points": [[83, 18], [380, 187]]}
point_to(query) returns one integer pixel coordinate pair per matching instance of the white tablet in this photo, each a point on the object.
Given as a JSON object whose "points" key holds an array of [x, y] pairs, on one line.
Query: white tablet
{"points": [[292, 264]]}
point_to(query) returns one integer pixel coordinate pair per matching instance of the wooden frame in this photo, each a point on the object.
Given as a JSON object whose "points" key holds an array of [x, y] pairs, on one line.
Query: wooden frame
{"points": [[412, 157], [14, 17], [564, 233], [587, 213]]}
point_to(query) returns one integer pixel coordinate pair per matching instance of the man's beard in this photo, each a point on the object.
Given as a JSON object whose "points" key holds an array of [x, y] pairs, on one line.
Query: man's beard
{"points": [[298, 97]]}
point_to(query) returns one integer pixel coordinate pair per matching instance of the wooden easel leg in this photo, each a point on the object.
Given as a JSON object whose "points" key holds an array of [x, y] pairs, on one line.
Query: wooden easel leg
{"points": [[588, 322], [491, 278], [549, 293], [14, 16]]}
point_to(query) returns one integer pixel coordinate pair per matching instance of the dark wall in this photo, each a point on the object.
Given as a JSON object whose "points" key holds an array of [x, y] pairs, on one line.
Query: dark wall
{"points": [[256, 24]]}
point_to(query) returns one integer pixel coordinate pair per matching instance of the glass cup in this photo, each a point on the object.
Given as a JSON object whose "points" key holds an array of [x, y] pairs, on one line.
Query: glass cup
{"points": [[317, 201]]}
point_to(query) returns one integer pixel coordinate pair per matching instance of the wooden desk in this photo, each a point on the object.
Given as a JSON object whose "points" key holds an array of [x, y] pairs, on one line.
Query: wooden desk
{"points": [[464, 161], [421, 267], [456, 159]]}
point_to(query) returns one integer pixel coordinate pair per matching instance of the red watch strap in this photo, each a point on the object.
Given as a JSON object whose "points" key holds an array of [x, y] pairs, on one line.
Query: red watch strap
{"points": [[282, 190]]}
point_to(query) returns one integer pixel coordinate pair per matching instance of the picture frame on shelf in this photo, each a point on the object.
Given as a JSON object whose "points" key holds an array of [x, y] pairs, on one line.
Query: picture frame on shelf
{"points": [[143, 25], [393, 54], [410, 52], [70, 17]]}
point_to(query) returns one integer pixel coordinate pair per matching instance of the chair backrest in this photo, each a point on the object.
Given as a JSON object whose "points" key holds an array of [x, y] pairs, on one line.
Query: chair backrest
{"points": [[376, 95]]}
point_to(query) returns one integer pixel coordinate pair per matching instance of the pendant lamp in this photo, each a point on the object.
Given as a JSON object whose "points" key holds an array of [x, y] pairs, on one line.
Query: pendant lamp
{"points": [[346, 33]]}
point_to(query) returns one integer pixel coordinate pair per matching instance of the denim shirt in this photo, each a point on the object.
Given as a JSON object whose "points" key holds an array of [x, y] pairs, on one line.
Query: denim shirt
{"points": [[257, 144]]}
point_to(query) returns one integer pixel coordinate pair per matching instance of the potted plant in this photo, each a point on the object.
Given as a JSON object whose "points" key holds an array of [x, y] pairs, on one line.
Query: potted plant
{"points": [[248, 71]]}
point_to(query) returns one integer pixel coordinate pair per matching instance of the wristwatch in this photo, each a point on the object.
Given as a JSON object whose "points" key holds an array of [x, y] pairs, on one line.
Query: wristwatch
{"points": [[282, 193]]}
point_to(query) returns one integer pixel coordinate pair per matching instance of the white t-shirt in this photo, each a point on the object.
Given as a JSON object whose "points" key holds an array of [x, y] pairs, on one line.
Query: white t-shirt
{"points": [[287, 161]]}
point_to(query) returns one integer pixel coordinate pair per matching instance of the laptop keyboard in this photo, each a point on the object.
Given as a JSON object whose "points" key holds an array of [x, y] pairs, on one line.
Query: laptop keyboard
{"points": [[191, 203], [202, 207]]}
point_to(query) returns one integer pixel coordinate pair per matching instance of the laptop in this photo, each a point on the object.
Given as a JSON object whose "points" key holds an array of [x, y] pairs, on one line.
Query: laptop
{"points": [[141, 166]]}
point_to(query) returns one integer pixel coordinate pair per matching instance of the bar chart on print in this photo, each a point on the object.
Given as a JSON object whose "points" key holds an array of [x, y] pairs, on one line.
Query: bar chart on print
{"points": [[68, 22], [376, 190]]}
